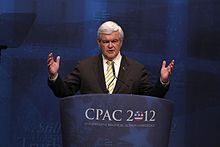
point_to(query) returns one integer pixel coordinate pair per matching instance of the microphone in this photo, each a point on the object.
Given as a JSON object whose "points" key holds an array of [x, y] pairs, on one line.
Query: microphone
{"points": [[113, 68]]}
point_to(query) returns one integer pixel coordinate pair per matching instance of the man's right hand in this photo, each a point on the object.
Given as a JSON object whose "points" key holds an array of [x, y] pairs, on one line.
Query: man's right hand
{"points": [[53, 66]]}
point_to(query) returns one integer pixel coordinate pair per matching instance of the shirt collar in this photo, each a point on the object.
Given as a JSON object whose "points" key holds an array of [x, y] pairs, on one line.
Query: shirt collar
{"points": [[116, 60]]}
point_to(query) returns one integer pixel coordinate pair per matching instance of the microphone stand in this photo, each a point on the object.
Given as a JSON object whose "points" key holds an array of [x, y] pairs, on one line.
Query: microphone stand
{"points": [[113, 68]]}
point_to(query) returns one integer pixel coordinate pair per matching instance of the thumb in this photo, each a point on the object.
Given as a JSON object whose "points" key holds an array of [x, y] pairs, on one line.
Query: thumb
{"points": [[58, 59], [163, 64]]}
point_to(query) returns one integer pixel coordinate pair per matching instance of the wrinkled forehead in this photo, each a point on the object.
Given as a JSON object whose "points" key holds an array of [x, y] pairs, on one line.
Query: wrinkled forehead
{"points": [[110, 36]]}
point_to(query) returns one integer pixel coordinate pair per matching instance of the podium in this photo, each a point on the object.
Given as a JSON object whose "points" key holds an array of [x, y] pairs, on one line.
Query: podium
{"points": [[117, 120]]}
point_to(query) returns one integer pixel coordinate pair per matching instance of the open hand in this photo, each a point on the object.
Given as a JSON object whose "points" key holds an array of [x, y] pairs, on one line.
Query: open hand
{"points": [[53, 66], [165, 72]]}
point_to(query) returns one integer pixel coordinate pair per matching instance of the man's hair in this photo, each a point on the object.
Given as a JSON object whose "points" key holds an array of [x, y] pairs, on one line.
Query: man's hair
{"points": [[109, 27]]}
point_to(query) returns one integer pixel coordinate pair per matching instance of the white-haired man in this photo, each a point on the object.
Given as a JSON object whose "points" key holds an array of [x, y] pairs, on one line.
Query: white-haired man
{"points": [[108, 72]]}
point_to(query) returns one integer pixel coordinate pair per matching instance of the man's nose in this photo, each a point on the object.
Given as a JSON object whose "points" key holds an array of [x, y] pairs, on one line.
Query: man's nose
{"points": [[110, 44]]}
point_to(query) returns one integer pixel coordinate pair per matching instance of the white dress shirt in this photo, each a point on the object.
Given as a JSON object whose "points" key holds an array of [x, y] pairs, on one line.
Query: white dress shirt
{"points": [[117, 63]]}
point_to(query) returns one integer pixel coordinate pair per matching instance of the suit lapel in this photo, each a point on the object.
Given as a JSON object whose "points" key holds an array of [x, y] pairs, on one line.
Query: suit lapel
{"points": [[100, 73], [123, 72]]}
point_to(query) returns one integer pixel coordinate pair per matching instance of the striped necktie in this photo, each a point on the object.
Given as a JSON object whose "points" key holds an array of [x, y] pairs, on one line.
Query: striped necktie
{"points": [[109, 77]]}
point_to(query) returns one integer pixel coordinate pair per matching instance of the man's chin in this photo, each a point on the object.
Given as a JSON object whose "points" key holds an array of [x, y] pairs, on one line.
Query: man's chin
{"points": [[111, 56]]}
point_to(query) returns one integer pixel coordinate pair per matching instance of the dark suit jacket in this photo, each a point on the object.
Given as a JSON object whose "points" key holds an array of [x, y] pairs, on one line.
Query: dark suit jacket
{"points": [[88, 77]]}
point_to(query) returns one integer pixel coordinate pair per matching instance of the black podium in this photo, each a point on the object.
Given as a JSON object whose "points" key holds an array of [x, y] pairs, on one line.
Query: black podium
{"points": [[100, 120]]}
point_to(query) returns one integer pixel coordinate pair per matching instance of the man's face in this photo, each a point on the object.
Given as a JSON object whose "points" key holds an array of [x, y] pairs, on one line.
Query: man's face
{"points": [[110, 45]]}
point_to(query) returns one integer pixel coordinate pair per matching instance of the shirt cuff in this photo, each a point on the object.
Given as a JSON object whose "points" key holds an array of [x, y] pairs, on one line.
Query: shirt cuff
{"points": [[54, 78], [164, 83]]}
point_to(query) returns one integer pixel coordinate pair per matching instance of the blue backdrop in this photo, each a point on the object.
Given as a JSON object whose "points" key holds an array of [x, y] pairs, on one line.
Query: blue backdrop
{"points": [[185, 30]]}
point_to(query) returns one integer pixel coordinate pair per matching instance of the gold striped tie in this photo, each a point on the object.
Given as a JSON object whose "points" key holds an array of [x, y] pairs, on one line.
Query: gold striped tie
{"points": [[109, 77]]}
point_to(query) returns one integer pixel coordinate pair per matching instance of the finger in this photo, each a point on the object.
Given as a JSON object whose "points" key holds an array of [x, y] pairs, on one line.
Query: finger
{"points": [[50, 57], [172, 65], [172, 62], [170, 70], [50, 61], [49, 64], [50, 54]]}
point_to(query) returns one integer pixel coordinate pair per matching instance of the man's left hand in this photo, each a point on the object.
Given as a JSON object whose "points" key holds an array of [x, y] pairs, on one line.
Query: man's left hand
{"points": [[165, 72]]}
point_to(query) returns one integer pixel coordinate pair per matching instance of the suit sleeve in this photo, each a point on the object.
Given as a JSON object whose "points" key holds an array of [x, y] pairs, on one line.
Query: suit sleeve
{"points": [[148, 88], [67, 87]]}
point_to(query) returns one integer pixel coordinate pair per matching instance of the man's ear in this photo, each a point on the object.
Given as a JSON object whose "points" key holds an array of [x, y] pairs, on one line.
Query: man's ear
{"points": [[98, 42]]}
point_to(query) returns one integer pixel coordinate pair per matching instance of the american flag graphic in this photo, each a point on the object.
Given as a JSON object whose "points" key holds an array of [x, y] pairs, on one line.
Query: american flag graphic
{"points": [[138, 116]]}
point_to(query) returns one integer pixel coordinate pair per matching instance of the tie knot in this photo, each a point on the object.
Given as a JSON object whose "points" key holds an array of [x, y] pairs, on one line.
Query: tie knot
{"points": [[109, 62]]}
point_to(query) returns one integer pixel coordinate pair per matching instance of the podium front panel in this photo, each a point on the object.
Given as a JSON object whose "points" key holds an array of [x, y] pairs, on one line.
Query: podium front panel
{"points": [[100, 120]]}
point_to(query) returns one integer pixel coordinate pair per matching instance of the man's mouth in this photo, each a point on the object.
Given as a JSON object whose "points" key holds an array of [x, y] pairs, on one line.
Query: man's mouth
{"points": [[111, 50]]}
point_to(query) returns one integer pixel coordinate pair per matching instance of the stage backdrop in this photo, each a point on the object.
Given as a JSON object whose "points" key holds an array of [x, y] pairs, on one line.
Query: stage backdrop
{"points": [[187, 31]]}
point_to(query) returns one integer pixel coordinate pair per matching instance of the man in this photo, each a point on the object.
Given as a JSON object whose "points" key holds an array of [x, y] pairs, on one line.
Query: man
{"points": [[109, 72]]}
